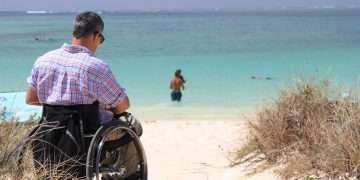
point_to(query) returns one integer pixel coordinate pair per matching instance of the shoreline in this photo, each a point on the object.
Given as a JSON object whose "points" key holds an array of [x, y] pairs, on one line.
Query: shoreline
{"points": [[192, 113], [15, 106]]}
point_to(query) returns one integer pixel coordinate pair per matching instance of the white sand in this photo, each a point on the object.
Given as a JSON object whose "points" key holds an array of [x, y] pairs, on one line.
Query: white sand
{"points": [[196, 149]]}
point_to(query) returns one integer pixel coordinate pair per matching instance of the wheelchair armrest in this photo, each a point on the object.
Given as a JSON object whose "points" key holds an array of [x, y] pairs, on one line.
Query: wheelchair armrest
{"points": [[123, 114]]}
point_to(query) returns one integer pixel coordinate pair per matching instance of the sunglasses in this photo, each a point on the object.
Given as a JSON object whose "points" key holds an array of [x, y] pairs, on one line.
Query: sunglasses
{"points": [[102, 38]]}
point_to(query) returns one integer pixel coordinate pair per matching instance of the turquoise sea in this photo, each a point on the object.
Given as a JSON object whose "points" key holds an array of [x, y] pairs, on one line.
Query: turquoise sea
{"points": [[218, 52]]}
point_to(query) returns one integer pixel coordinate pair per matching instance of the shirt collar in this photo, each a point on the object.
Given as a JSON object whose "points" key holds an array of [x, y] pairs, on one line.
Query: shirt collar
{"points": [[77, 49]]}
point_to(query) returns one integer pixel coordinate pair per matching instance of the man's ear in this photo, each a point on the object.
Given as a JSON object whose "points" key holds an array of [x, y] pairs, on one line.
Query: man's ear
{"points": [[91, 37], [96, 35]]}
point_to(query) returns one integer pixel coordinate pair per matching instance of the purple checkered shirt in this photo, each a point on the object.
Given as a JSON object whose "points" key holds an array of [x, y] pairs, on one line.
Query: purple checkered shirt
{"points": [[73, 75]]}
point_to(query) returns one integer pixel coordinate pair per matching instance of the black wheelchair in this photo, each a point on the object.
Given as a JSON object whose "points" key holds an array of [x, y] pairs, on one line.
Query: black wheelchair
{"points": [[112, 151]]}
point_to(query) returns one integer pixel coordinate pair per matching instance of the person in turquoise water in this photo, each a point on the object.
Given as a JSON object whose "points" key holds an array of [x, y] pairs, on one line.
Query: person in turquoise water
{"points": [[176, 85]]}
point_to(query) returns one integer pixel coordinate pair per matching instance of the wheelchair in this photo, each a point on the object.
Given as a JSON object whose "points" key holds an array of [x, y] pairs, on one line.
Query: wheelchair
{"points": [[114, 152]]}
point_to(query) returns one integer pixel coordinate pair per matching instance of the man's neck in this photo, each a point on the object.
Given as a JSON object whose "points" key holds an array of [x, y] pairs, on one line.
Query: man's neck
{"points": [[83, 42]]}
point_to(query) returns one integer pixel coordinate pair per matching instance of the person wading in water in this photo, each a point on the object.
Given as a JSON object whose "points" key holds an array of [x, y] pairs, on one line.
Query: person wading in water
{"points": [[177, 85]]}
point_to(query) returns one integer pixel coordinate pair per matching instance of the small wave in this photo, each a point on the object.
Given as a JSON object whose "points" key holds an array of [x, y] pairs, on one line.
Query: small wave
{"points": [[11, 91], [37, 12]]}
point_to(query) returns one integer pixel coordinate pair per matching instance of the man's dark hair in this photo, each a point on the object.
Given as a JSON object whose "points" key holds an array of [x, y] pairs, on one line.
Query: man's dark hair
{"points": [[86, 23], [177, 72]]}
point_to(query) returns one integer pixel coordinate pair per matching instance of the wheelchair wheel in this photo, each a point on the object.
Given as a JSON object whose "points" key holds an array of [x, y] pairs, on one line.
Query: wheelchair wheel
{"points": [[115, 152]]}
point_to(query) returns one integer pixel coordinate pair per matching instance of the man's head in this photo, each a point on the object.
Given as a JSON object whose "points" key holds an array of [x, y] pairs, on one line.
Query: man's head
{"points": [[88, 28], [178, 73]]}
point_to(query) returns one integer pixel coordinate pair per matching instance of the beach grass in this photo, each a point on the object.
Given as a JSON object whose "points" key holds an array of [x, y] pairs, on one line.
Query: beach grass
{"points": [[12, 133], [310, 130]]}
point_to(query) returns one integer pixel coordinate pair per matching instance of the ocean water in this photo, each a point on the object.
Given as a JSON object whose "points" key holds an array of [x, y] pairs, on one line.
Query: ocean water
{"points": [[218, 52]]}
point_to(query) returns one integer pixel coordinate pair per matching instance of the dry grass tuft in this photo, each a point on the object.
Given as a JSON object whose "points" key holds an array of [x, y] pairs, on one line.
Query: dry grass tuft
{"points": [[312, 130], [12, 133]]}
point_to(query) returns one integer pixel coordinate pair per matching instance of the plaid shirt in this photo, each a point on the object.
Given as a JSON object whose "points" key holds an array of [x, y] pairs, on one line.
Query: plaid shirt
{"points": [[73, 75]]}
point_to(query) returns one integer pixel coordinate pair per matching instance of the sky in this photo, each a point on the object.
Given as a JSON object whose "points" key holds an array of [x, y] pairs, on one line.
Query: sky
{"points": [[76, 5]]}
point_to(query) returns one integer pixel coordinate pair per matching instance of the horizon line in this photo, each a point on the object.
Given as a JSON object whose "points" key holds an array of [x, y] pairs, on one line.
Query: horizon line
{"points": [[284, 8]]}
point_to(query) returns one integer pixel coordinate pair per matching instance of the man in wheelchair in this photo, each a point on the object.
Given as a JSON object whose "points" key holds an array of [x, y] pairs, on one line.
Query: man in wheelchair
{"points": [[84, 128]]}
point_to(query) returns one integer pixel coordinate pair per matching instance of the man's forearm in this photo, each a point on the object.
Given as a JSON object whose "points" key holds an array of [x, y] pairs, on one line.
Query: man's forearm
{"points": [[122, 106], [31, 97]]}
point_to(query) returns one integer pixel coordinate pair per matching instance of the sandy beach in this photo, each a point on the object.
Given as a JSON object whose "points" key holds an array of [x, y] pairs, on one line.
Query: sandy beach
{"points": [[178, 148]]}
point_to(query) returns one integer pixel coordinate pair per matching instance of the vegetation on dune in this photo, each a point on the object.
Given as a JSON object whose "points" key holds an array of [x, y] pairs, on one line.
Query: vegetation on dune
{"points": [[311, 129]]}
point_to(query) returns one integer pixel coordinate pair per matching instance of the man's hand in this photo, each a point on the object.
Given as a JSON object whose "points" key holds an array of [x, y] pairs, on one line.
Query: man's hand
{"points": [[131, 121], [122, 106]]}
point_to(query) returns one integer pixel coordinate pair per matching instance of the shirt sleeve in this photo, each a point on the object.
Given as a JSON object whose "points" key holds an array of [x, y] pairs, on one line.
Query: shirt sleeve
{"points": [[107, 90], [32, 79]]}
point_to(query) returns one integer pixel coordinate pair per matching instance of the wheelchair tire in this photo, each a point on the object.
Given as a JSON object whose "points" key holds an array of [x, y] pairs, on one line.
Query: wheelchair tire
{"points": [[96, 150]]}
